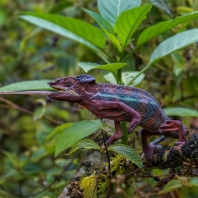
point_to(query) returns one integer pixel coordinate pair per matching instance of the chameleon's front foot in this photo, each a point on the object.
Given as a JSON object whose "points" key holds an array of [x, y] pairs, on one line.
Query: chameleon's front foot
{"points": [[134, 122], [117, 135]]}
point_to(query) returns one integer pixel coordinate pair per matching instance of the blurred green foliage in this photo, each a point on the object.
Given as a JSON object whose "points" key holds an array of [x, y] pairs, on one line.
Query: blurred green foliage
{"points": [[27, 147]]}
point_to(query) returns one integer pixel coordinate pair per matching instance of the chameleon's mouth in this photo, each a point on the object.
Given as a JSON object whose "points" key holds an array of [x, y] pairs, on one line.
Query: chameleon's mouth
{"points": [[57, 87], [61, 88]]}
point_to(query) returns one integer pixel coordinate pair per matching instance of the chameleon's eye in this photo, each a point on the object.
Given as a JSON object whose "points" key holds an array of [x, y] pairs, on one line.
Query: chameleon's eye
{"points": [[69, 82]]}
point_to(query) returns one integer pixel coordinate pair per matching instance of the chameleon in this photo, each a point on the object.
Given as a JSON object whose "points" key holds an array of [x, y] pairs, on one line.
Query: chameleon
{"points": [[120, 103]]}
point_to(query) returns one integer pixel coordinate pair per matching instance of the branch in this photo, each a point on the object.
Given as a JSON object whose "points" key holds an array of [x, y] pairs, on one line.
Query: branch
{"points": [[14, 106], [26, 92], [171, 157]]}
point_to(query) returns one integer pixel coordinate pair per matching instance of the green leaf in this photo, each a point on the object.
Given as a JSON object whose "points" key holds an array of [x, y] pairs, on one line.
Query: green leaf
{"points": [[113, 67], [174, 43], [129, 21], [159, 28], [38, 154], [13, 158], [76, 132], [193, 181], [104, 24], [62, 162], [180, 111], [40, 110], [58, 131], [59, 7], [85, 144], [111, 9], [27, 85], [172, 185], [127, 77], [51, 139], [32, 169], [128, 153], [89, 186], [162, 4], [39, 113], [184, 9], [75, 29], [188, 192], [106, 27]]}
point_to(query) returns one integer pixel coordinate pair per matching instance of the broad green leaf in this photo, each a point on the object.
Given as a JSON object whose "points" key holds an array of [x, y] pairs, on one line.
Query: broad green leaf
{"points": [[31, 169], [38, 154], [39, 113], [162, 4], [75, 29], [76, 132], [180, 111], [13, 158], [59, 7], [111, 9], [27, 85], [129, 21], [174, 43], [3, 17], [113, 67], [106, 27], [115, 42], [159, 28], [85, 144], [40, 110], [172, 185], [127, 77], [184, 9], [104, 24], [128, 153], [62, 162], [193, 182], [51, 139], [58, 131], [89, 186], [188, 191]]}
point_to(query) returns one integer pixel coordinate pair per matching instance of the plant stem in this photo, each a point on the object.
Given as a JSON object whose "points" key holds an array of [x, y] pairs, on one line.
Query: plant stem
{"points": [[117, 79], [129, 54], [125, 133], [111, 58], [141, 72], [119, 75]]}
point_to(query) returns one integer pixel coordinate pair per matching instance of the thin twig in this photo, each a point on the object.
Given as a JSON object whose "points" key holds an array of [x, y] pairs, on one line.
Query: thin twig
{"points": [[26, 93], [109, 167], [135, 171], [108, 157], [14, 106]]}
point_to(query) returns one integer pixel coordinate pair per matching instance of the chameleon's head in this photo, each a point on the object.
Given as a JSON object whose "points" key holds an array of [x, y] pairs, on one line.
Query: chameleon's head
{"points": [[71, 85]]}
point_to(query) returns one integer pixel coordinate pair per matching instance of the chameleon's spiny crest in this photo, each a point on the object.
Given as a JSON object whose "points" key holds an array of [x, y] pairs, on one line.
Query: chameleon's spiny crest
{"points": [[85, 78]]}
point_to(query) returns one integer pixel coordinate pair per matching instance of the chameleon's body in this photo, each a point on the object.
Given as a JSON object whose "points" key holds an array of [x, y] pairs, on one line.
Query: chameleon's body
{"points": [[120, 103], [152, 115]]}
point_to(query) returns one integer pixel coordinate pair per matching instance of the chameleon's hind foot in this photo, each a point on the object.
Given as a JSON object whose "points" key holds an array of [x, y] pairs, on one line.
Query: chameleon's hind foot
{"points": [[149, 153], [174, 129]]}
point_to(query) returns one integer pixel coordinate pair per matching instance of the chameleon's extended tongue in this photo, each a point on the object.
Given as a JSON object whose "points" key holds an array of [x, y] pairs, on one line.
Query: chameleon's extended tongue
{"points": [[27, 92]]}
